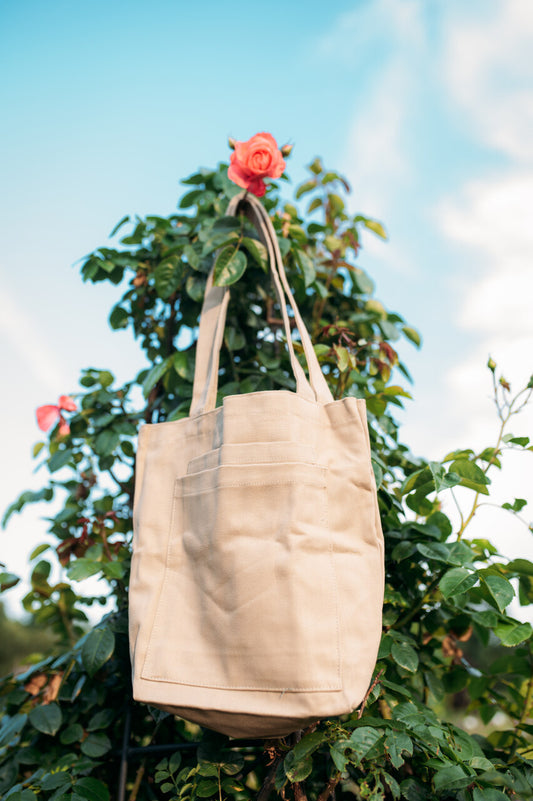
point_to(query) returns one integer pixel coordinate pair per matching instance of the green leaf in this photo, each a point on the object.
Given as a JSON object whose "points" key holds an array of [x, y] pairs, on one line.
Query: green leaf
{"points": [[174, 762], [96, 745], [307, 186], [229, 266], [191, 198], [405, 656], [119, 318], [297, 770], [471, 475], [307, 266], [59, 459], [155, 375], [434, 550], [500, 589], [97, 649], [257, 251], [489, 794], [339, 753], [396, 743], [11, 728], [168, 276], [412, 334], [517, 505], [93, 789], [83, 568], [8, 580], [72, 734], [523, 567], [51, 781], [451, 778], [207, 788], [101, 720], [511, 634], [46, 718], [375, 226], [308, 744], [456, 581], [106, 442], [442, 479], [362, 740]]}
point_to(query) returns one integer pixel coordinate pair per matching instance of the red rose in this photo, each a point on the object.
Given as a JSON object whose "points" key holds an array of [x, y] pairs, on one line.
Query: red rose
{"points": [[254, 160]]}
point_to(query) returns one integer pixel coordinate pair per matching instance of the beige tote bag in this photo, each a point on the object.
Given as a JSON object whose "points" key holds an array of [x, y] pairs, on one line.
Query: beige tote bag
{"points": [[257, 574]]}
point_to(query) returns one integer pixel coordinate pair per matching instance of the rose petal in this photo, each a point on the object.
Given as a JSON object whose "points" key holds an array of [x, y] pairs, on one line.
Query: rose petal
{"points": [[238, 175], [66, 402], [256, 186], [46, 416], [64, 428]]}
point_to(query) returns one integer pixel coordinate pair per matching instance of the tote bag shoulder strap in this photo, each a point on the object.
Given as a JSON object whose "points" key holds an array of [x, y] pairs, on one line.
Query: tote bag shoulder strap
{"points": [[213, 318]]}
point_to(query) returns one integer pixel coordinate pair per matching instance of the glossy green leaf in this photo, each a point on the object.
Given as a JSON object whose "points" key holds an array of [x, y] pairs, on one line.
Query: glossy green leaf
{"points": [[257, 251], [405, 656], [229, 266], [168, 276], [456, 581], [500, 589], [512, 633], [154, 375], [97, 649], [471, 475]]}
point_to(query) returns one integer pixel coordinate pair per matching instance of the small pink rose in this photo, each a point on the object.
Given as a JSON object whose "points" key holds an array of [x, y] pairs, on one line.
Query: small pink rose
{"points": [[49, 414]]}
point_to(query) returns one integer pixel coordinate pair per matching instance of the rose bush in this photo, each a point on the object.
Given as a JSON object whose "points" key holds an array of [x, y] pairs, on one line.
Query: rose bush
{"points": [[69, 729]]}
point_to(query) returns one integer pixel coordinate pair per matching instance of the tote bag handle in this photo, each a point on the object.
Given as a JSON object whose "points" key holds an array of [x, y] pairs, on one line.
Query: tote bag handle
{"points": [[213, 319]]}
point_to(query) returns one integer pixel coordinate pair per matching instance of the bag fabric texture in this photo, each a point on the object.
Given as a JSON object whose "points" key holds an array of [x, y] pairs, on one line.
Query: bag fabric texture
{"points": [[257, 574]]}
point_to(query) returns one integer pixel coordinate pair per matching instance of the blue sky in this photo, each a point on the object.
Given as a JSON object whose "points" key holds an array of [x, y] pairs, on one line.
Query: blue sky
{"points": [[427, 107]]}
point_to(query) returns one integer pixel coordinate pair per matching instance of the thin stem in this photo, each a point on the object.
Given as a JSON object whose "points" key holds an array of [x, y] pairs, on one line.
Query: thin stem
{"points": [[329, 789]]}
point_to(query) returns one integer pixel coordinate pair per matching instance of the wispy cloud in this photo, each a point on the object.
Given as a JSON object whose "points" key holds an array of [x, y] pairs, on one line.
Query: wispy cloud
{"points": [[21, 334], [487, 70]]}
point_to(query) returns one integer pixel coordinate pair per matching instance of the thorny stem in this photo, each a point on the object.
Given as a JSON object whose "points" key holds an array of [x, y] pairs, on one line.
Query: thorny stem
{"points": [[528, 703], [365, 699], [504, 417]]}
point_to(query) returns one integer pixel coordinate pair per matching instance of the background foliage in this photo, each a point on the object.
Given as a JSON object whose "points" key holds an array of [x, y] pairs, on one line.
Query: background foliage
{"points": [[447, 635]]}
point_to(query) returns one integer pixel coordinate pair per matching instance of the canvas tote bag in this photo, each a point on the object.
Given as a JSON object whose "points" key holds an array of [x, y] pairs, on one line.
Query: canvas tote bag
{"points": [[257, 573]]}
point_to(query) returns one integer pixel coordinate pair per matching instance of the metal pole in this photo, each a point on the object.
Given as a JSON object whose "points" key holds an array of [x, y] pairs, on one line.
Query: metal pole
{"points": [[124, 757]]}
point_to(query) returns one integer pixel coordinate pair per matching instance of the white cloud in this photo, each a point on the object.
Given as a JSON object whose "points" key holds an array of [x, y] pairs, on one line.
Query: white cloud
{"points": [[28, 342], [487, 69], [356, 33]]}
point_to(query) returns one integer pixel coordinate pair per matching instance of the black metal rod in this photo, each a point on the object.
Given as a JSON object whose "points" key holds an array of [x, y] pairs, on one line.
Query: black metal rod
{"points": [[170, 748], [124, 757]]}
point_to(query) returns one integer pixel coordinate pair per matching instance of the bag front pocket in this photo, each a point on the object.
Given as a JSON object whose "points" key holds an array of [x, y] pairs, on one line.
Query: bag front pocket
{"points": [[249, 598]]}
